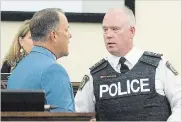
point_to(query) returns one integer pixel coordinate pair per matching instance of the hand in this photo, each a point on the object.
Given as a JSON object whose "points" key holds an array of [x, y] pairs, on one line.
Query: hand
{"points": [[93, 120]]}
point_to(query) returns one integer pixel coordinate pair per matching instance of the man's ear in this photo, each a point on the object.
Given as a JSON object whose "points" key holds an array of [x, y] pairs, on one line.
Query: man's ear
{"points": [[53, 36], [132, 32], [20, 39]]}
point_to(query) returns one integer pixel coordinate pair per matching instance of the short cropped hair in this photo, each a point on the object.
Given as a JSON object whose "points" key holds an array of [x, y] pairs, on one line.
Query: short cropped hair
{"points": [[43, 22], [131, 16]]}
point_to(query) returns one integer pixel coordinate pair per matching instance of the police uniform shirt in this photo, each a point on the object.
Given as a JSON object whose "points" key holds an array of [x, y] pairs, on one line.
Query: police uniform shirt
{"points": [[166, 83]]}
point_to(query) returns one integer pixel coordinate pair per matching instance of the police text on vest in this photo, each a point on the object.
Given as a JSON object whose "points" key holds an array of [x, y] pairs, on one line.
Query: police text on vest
{"points": [[133, 86]]}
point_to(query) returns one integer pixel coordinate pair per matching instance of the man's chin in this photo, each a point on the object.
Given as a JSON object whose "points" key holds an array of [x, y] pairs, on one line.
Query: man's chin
{"points": [[66, 54], [63, 54], [113, 52]]}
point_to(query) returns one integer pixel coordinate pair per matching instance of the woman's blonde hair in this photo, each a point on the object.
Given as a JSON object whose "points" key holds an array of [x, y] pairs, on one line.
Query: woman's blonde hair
{"points": [[14, 55]]}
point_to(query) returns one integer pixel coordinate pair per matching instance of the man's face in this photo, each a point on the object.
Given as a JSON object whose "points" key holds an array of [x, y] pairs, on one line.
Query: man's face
{"points": [[116, 32], [63, 36]]}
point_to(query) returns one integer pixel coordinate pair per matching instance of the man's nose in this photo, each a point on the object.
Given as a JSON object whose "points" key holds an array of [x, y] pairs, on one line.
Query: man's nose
{"points": [[109, 34], [70, 35]]}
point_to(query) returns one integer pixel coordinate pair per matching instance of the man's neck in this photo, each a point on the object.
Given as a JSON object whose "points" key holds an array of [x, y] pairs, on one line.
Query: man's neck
{"points": [[47, 46]]}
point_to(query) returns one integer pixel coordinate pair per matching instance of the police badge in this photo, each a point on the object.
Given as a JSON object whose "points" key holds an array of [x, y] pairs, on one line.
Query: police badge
{"points": [[84, 81], [168, 65]]}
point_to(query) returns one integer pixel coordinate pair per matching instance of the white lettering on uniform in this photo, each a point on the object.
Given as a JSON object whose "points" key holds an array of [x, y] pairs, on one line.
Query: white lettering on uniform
{"points": [[116, 90], [130, 87], [132, 82], [119, 89], [142, 84], [103, 90]]}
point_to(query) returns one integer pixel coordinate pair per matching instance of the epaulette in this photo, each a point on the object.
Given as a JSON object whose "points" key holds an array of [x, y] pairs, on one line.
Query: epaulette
{"points": [[153, 54], [151, 58], [98, 66]]}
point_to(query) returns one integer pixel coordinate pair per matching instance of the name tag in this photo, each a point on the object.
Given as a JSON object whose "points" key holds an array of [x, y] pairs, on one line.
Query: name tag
{"points": [[120, 89]]}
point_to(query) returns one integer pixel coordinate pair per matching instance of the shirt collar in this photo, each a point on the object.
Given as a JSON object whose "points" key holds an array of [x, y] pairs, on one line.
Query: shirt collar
{"points": [[131, 57], [44, 51]]}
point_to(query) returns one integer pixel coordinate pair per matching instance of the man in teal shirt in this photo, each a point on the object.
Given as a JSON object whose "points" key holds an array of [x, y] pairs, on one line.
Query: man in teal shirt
{"points": [[39, 69]]}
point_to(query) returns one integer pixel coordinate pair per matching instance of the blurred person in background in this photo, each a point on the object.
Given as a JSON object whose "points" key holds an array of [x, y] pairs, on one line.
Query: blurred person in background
{"points": [[20, 47]]}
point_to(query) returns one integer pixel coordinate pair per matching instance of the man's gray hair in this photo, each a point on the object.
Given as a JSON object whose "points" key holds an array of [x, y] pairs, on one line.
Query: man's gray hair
{"points": [[43, 22], [131, 17]]}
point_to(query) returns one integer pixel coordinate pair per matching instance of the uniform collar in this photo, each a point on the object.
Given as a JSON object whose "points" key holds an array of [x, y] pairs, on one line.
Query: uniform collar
{"points": [[44, 51], [131, 57]]}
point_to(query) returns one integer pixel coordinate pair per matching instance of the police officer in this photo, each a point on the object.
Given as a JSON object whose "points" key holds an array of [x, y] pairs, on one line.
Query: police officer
{"points": [[130, 84]]}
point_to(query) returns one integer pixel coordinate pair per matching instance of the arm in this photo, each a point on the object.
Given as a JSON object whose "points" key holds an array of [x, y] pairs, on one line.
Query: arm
{"points": [[85, 99], [172, 89], [58, 89], [6, 68]]}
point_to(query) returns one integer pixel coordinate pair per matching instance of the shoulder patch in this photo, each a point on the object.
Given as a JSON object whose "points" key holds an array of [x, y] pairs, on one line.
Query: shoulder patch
{"points": [[169, 66], [153, 54], [97, 64], [84, 81]]}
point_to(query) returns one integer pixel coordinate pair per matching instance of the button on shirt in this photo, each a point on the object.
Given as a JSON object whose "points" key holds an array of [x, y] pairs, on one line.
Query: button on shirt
{"points": [[166, 84]]}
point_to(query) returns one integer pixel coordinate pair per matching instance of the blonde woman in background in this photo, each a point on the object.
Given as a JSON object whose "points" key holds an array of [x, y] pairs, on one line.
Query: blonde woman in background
{"points": [[21, 46]]}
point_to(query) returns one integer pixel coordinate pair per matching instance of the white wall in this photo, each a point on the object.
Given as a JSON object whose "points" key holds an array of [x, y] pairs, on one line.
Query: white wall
{"points": [[158, 29], [81, 6]]}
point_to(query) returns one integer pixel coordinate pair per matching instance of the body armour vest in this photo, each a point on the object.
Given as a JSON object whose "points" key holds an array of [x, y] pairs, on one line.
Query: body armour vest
{"points": [[130, 96]]}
